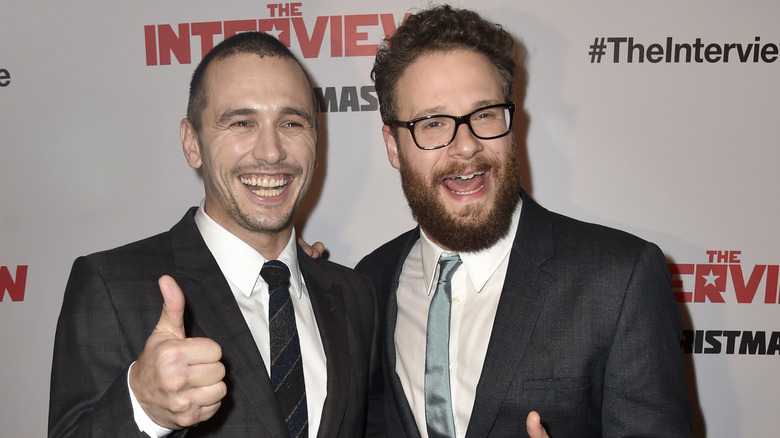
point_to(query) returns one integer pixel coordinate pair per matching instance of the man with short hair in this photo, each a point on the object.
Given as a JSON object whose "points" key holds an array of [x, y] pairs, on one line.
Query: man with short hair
{"points": [[260, 339], [496, 308]]}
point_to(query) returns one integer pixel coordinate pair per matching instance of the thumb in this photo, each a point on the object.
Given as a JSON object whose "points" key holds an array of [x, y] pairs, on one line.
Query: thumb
{"points": [[533, 425], [172, 317]]}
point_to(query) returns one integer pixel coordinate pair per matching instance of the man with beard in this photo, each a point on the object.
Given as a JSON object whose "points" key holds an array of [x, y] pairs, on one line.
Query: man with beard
{"points": [[496, 310], [260, 340]]}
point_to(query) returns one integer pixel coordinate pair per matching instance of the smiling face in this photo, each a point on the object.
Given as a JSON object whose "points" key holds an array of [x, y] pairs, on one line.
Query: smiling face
{"points": [[463, 195], [256, 148]]}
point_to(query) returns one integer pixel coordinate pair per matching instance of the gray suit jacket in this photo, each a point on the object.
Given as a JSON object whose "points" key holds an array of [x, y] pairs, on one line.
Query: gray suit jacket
{"points": [[112, 303], [587, 333]]}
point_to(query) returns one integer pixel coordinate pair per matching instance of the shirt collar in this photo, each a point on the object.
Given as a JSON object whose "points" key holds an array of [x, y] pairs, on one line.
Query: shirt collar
{"points": [[238, 261], [480, 265]]}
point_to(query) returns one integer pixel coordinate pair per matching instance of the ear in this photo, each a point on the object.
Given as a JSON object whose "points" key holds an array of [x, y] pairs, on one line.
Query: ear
{"points": [[392, 146], [189, 144]]}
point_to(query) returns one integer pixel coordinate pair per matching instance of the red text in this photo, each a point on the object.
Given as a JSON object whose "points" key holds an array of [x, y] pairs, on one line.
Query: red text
{"points": [[343, 35], [15, 288], [722, 276]]}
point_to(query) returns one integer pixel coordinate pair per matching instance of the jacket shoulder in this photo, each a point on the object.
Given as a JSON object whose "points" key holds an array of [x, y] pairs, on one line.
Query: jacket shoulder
{"points": [[153, 250], [386, 257], [570, 232]]}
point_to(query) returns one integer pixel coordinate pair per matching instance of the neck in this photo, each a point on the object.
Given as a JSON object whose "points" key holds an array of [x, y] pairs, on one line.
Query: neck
{"points": [[268, 243]]}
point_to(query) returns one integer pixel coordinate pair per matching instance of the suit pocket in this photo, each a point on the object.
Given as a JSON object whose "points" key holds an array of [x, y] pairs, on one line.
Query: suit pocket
{"points": [[570, 406], [567, 404], [559, 383]]}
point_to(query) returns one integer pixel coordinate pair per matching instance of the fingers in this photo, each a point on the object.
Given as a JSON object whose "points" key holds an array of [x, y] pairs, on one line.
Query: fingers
{"points": [[177, 380], [319, 248], [196, 351], [209, 396], [194, 406], [314, 250], [191, 417], [533, 425], [172, 317], [205, 375], [184, 385]]}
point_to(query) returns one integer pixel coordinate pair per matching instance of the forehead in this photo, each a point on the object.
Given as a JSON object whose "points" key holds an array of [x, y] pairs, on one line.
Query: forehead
{"points": [[454, 82], [250, 80]]}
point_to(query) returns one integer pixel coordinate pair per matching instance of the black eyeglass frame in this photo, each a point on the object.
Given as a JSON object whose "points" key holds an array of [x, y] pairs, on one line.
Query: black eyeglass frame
{"points": [[459, 120]]}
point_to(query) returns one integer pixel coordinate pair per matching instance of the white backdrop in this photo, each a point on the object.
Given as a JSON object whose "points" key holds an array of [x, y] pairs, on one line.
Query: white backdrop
{"points": [[682, 152]]}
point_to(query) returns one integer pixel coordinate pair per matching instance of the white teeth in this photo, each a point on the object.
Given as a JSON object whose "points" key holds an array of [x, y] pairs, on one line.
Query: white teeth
{"points": [[266, 183], [465, 177], [265, 187], [268, 193], [469, 192]]}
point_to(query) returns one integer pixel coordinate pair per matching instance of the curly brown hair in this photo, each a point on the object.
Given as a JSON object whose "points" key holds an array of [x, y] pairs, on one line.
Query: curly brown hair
{"points": [[440, 28]]}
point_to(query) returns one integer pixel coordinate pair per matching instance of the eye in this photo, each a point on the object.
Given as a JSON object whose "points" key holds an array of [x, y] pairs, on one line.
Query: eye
{"points": [[241, 125], [292, 127], [485, 114], [433, 124], [292, 124]]}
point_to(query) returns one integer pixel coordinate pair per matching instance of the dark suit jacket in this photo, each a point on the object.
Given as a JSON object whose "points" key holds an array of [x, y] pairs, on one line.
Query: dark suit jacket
{"points": [[112, 303], [587, 332]]}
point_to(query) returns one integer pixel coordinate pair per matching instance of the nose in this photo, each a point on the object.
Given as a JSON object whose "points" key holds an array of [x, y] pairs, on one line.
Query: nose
{"points": [[268, 146], [464, 145]]}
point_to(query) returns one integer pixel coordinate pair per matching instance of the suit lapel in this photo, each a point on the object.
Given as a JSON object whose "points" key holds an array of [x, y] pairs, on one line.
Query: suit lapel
{"points": [[396, 388], [522, 296], [214, 312], [327, 302]]}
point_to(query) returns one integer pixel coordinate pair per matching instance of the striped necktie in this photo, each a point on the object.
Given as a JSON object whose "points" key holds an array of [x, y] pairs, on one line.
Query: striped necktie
{"points": [[286, 363]]}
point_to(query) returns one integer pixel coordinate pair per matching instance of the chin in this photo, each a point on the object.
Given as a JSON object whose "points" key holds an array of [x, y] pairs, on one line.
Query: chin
{"points": [[470, 210]]}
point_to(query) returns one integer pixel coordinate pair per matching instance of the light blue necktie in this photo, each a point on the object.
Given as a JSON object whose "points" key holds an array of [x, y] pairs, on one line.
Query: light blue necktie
{"points": [[438, 400]]}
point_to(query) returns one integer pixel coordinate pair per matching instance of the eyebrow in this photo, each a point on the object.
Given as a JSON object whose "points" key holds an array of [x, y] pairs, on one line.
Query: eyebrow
{"points": [[290, 111], [231, 114], [438, 110], [234, 113]]}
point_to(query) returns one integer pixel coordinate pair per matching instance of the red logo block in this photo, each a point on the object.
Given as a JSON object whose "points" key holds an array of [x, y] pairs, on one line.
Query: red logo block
{"points": [[725, 276], [15, 288]]}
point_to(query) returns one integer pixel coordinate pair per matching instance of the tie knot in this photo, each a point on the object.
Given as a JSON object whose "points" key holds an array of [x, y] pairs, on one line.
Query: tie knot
{"points": [[448, 266], [275, 273]]}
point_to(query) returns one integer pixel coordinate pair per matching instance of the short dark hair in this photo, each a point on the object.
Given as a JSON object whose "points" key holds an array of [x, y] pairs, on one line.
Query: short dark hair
{"points": [[258, 43], [440, 28]]}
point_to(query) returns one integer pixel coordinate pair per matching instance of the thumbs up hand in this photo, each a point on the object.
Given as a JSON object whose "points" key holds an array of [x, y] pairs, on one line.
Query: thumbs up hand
{"points": [[177, 380]]}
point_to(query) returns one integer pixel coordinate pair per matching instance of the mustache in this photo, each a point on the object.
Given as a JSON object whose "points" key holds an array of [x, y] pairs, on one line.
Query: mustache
{"points": [[456, 168]]}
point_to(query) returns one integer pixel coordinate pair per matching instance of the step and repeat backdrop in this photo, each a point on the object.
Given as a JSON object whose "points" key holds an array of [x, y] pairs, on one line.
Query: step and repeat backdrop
{"points": [[659, 118]]}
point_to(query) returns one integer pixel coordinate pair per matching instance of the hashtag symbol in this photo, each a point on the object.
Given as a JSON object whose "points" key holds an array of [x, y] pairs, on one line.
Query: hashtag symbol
{"points": [[597, 50]]}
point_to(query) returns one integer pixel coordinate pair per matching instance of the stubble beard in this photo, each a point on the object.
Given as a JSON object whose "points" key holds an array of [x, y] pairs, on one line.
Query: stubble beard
{"points": [[254, 223], [472, 229]]}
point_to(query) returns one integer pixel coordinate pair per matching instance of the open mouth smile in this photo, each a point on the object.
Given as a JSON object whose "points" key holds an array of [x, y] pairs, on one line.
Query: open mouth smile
{"points": [[465, 184], [266, 186]]}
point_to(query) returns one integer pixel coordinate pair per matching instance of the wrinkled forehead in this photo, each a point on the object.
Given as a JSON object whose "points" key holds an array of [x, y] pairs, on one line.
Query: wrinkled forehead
{"points": [[246, 78], [451, 82]]}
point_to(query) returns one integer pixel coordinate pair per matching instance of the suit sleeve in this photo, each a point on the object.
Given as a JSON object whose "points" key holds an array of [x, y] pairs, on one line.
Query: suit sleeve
{"points": [[644, 387], [89, 396]]}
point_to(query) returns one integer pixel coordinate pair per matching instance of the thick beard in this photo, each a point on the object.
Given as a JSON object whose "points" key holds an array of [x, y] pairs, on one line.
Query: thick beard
{"points": [[472, 229]]}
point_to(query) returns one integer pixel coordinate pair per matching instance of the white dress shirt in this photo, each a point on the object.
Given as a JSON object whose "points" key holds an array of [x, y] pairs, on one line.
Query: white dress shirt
{"points": [[476, 290], [241, 264]]}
